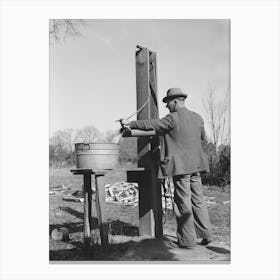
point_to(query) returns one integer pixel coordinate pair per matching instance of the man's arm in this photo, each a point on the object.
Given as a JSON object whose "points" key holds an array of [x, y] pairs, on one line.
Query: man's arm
{"points": [[159, 125]]}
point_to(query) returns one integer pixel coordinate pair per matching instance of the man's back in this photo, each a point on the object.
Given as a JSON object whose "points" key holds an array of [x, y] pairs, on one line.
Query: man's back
{"points": [[182, 131], [183, 143]]}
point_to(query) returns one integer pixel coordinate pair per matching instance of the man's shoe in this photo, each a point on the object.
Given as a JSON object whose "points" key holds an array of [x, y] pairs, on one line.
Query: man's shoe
{"points": [[205, 241]]}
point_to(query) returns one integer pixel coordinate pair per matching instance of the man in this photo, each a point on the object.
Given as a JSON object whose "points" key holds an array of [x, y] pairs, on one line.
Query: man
{"points": [[183, 159]]}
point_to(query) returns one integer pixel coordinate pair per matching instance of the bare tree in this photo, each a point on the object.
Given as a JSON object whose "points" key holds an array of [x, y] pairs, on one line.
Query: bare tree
{"points": [[64, 139], [67, 136], [88, 134], [109, 135], [218, 117], [60, 29], [56, 140], [58, 151]]}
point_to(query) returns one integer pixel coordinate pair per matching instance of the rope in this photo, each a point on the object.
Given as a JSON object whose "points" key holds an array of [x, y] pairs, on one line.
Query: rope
{"points": [[165, 202], [141, 108], [171, 195], [148, 99]]}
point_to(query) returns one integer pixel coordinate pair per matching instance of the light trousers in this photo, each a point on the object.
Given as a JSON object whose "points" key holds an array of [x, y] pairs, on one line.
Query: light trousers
{"points": [[191, 210]]}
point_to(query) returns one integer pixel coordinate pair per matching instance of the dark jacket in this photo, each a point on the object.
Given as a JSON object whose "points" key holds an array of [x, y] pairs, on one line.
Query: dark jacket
{"points": [[183, 133]]}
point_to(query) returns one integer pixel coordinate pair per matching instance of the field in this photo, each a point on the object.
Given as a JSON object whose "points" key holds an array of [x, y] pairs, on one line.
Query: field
{"points": [[125, 244]]}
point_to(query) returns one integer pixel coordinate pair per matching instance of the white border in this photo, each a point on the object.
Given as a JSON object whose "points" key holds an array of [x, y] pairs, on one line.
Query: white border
{"points": [[255, 138]]}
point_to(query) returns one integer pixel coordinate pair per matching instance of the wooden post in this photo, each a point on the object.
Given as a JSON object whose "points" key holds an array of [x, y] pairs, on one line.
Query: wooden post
{"points": [[87, 209], [101, 210], [150, 222], [155, 151]]}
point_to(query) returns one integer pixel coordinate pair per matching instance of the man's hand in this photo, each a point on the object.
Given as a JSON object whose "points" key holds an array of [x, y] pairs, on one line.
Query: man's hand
{"points": [[126, 131]]}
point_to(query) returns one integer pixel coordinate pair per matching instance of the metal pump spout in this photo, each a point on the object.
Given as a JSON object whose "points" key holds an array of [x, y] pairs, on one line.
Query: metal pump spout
{"points": [[127, 132]]}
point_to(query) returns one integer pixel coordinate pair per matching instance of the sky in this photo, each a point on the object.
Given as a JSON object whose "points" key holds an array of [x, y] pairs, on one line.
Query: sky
{"points": [[93, 79]]}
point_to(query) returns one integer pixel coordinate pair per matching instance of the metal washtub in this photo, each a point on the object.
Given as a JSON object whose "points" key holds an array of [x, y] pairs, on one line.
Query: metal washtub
{"points": [[99, 156]]}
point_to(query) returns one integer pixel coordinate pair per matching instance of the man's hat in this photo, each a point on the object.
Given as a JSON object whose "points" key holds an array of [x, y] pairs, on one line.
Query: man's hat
{"points": [[173, 93]]}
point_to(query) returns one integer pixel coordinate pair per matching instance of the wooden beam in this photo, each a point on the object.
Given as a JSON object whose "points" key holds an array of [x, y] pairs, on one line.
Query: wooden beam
{"points": [[146, 219], [155, 151], [87, 209], [150, 221], [101, 210]]}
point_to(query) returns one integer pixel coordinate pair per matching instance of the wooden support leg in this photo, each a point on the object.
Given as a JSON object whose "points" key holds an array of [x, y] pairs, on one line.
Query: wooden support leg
{"points": [[146, 213], [100, 208], [87, 209]]}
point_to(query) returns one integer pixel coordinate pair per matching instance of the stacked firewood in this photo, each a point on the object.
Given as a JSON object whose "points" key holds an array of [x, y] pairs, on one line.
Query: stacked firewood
{"points": [[122, 193]]}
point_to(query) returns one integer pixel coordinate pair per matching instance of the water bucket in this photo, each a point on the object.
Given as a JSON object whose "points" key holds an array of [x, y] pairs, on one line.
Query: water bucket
{"points": [[98, 156], [61, 234]]}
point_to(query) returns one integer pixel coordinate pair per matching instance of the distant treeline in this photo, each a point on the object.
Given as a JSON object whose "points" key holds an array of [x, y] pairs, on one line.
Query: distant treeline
{"points": [[62, 152], [219, 165]]}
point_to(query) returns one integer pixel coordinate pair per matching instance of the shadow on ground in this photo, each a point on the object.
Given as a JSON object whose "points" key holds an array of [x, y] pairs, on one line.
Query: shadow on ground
{"points": [[132, 250], [116, 227], [218, 250], [123, 239], [125, 245]]}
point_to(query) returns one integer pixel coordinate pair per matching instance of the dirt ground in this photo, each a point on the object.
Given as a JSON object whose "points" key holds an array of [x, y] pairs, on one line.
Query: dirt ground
{"points": [[124, 242]]}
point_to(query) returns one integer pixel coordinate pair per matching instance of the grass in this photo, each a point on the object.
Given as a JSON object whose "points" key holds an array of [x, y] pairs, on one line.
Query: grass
{"points": [[123, 220]]}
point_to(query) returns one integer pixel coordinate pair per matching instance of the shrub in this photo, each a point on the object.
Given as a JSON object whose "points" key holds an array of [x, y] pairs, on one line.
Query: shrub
{"points": [[219, 165]]}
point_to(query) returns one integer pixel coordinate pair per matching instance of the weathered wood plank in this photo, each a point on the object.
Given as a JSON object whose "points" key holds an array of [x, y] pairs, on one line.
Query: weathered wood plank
{"points": [[146, 219], [87, 209], [146, 85], [155, 152], [88, 170], [101, 210]]}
